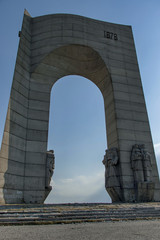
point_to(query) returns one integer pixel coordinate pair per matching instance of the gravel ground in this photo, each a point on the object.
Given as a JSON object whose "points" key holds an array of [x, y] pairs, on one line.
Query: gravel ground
{"points": [[147, 230]]}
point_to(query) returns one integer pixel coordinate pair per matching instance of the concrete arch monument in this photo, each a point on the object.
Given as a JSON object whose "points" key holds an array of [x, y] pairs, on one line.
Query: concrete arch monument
{"points": [[54, 46]]}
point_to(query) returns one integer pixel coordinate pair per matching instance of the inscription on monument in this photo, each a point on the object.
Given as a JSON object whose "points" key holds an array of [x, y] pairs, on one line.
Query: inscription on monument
{"points": [[110, 35]]}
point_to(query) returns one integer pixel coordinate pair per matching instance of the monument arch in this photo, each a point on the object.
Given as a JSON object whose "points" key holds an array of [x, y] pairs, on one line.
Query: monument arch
{"points": [[54, 46]]}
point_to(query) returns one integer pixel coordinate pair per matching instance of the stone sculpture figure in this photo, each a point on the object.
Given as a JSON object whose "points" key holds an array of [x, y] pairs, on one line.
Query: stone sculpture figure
{"points": [[141, 163], [50, 165], [137, 163], [147, 166], [142, 168], [112, 182], [110, 161]]}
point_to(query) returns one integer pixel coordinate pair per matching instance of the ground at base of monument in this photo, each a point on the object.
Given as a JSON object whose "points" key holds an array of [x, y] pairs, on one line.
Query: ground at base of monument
{"points": [[144, 230], [77, 213]]}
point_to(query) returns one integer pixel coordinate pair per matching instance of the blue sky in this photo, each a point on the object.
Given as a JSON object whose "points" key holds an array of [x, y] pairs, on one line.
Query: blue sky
{"points": [[77, 127]]}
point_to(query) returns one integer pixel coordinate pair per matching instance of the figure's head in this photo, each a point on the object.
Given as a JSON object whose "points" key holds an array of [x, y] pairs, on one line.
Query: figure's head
{"points": [[136, 146], [142, 146], [51, 151]]}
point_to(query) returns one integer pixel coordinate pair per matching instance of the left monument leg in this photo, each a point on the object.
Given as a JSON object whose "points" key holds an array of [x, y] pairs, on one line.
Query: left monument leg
{"points": [[13, 148]]}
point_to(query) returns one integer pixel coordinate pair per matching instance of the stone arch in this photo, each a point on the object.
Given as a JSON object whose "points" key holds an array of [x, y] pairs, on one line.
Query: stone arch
{"points": [[75, 60], [70, 60], [54, 46]]}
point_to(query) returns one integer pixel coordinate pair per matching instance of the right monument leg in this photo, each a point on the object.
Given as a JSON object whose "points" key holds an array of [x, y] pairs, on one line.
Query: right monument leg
{"points": [[129, 132]]}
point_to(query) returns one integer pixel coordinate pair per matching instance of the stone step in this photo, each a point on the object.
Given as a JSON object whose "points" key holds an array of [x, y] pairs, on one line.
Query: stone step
{"points": [[3, 215], [72, 213], [7, 214]]}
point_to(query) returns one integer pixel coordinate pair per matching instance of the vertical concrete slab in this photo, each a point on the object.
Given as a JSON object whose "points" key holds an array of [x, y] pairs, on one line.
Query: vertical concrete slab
{"points": [[13, 148]]}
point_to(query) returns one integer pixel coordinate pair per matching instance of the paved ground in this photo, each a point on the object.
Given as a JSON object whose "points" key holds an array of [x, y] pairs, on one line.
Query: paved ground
{"points": [[147, 230]]}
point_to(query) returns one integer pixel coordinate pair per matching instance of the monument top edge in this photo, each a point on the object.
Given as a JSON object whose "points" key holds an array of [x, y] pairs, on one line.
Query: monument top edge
{"points": [[61, 15], [27, 13]]}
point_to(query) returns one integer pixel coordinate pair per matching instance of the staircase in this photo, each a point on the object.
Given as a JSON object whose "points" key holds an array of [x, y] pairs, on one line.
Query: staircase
{"points": [[76, 213]]}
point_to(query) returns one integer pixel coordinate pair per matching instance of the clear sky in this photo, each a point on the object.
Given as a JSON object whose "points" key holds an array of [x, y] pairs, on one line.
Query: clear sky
{"points": [[77, 126]]}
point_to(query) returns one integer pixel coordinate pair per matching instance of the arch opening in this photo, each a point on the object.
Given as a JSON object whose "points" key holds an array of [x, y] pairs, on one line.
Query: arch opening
{"points": [[76, 60], [77, 135]]}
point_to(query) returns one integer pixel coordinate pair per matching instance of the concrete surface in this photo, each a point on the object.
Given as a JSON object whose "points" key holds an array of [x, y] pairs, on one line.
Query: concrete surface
{"points": [[147, 230], [54, 46]]}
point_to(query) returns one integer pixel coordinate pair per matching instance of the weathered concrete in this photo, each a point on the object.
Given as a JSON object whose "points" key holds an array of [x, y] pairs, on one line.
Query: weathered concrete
{"points": [[28, 214], [54, 46], [143, 230]]}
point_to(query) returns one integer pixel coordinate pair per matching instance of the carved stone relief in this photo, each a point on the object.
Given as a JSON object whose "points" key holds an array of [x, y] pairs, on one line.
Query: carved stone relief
{"points": [[50, 165], [141, 163], [142, 169], [112, 173]]}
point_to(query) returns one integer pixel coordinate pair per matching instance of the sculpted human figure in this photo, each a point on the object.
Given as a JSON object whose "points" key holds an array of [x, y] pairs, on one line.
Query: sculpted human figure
{"points": [[112, 174], [141, 163], [110, 161], [50, 165], [147, 166], [137, 163], [142, 169]]}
